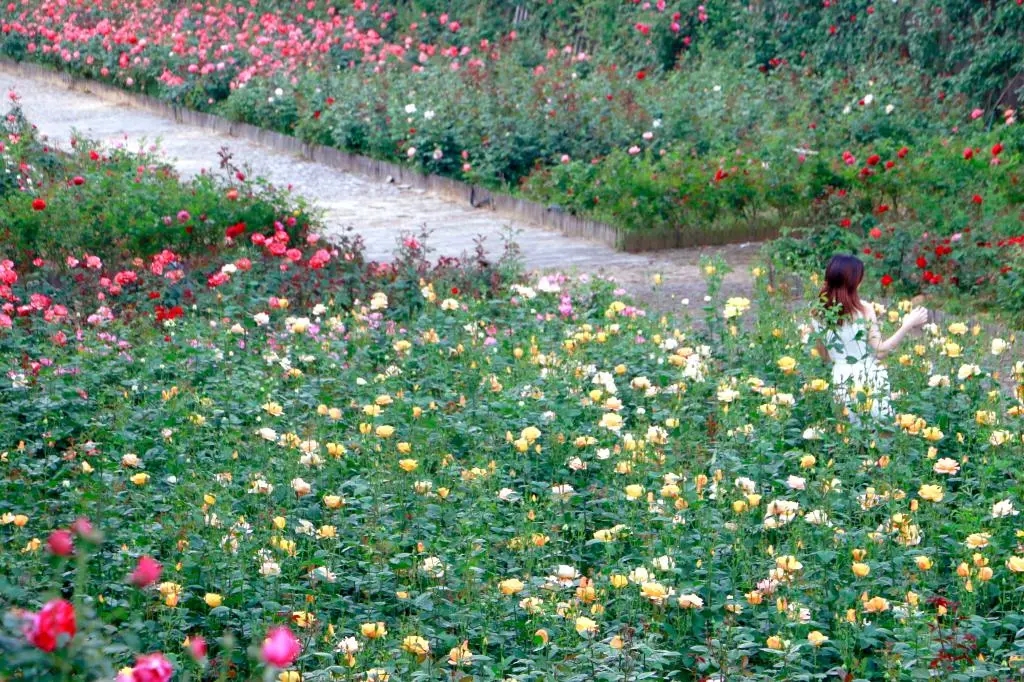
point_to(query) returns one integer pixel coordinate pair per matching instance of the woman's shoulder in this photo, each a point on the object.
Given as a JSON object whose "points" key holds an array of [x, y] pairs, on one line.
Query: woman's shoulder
{"points": [[867, 311]]}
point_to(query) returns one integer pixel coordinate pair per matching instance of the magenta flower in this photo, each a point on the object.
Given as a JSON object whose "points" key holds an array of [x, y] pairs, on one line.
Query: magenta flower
{"points": [[281, 647]]}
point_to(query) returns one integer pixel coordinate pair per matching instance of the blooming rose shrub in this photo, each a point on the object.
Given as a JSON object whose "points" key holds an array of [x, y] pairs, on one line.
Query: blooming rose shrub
{"points": [[66, 203], [652, 115], [305, 465]]}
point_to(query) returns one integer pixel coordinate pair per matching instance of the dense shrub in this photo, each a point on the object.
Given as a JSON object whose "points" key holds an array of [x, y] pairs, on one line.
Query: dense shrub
{"points": [[667, 116]]}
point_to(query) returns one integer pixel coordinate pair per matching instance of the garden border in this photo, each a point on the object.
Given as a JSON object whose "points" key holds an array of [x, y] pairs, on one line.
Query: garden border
{"points": [[457, 191]]}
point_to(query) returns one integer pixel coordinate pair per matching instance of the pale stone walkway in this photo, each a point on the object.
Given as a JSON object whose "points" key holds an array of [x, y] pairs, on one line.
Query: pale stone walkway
{"points": [[380, 212]]}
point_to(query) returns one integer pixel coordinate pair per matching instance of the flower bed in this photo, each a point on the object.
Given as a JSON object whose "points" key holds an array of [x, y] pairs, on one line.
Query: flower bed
{"points": [[313, 468], [657, 131]]}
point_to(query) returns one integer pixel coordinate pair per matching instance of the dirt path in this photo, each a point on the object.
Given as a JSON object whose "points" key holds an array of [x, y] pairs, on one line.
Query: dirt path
{"points": [[380, 212]]}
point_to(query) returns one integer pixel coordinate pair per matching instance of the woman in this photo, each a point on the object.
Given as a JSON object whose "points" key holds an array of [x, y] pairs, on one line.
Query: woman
{"points": [[853, 341]]}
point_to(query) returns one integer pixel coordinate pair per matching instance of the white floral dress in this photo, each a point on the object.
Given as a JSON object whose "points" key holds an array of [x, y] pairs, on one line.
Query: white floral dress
{"points": [[859, 380]]}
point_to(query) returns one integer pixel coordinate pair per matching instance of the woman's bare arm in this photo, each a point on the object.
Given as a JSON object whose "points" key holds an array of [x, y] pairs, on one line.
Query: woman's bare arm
{"points": [[822, 351], [882, 348]]}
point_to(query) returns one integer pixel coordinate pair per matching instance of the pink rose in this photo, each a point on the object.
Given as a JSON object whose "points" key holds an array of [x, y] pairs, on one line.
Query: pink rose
{"points": [[152, 668], [146, 572], [281, 647]]}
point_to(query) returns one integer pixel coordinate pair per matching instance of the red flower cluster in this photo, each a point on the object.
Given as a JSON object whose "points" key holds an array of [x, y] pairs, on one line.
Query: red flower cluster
{"points": [[163, 313], [235, 230]]}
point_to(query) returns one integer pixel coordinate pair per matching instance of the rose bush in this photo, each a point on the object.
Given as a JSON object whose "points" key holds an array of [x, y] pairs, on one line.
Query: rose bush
{"points": [[314, 468], [530, 106]]}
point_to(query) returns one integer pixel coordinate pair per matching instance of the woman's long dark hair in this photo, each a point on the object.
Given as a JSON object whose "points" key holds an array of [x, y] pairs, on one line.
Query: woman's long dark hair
{"points": [[842, 278]]}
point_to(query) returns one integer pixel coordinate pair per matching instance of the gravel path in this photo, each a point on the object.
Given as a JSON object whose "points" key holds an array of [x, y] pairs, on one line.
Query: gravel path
{"points": [[380, 212]]}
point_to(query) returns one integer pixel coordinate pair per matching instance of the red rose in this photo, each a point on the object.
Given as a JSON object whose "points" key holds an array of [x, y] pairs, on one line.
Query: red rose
{"points": [[235, 230], [874, 159], [640, 75], [56, 618], [921, 262], [886, 280], [875, 233], [997, 149], [38, 205], [60, 543], [902, 153], [881, 209], [976, 199], [889, 164], [968, 153], [845, 222], [78, 180]]}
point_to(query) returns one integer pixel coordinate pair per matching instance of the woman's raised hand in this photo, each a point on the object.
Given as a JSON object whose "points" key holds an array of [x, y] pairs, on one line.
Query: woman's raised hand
{"points": [[916, 318]]}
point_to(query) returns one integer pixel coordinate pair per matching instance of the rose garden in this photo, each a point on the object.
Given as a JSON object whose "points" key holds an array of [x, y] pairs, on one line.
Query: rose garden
{"points": [[233, 447]]}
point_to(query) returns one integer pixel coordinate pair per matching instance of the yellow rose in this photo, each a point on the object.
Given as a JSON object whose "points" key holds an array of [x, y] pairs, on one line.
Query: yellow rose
{"points": [[585, 625], [619, 581], [1015, 564], [460, 655], [876, 605], [860, 569], [384, 431], [634, 491], [999, 437], [373, 630], [816, 638], [213, 600], [510, 586], [333, 501], [140, 479], [408, 465], [611, 421], [786, 364], [416, 645], [931, 493], [775, 642], [923, 563], [690, 601], [656, 592], [807, 461], [530, 434]]}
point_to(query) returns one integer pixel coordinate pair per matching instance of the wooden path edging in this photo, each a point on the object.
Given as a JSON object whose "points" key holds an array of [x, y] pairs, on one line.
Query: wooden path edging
{"points": [[453, 190]]}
